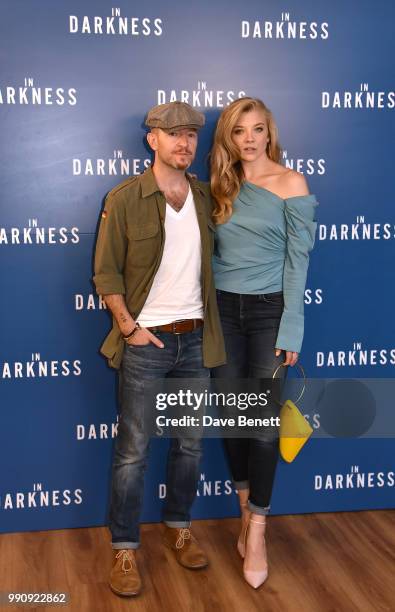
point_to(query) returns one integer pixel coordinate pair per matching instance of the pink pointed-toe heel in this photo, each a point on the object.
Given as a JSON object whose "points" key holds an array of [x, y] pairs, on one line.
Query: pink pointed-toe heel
{"points": [[255, 577]]}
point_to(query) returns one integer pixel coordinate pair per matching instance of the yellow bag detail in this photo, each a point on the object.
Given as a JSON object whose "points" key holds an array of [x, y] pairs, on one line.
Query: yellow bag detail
{"points": [[295, 430]]}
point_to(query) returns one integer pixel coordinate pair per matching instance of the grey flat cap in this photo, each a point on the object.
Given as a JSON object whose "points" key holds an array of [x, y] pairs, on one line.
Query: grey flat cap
{"points": [[174, 115]]}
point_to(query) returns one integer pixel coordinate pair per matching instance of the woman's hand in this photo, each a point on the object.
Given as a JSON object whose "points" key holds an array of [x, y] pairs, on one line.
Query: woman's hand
{"points": [[290, 357]]}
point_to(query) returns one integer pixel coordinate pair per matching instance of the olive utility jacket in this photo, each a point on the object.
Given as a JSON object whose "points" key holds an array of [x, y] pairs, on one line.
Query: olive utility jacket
{"points": [[129, 250]]}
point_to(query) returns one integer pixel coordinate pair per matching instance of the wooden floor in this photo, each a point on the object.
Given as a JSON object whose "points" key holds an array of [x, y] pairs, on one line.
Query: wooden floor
{"points": [[336, 562]]}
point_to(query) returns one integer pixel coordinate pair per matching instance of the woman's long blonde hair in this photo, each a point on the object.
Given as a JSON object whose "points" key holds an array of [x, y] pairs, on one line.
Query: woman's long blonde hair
{"points": [[226, 170]]}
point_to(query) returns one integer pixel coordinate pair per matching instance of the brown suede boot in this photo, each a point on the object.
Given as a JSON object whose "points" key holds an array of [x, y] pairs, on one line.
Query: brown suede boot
{"points": [[187, 551], [125, 578]]}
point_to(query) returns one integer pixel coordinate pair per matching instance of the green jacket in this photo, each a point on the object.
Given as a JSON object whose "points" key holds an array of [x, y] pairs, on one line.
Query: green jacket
{"points": [[129, 251]]}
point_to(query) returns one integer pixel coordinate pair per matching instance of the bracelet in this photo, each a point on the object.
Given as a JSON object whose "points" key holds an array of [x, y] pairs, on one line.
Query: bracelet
{"points": [[134, 330]]}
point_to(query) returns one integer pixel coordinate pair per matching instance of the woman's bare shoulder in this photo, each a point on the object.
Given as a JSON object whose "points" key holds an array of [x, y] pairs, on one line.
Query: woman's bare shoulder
{"points": [[293, 184]]}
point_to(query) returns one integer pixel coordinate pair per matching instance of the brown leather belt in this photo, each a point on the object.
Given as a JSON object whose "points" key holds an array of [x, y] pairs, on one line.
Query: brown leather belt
{"points": [[178, 327]]}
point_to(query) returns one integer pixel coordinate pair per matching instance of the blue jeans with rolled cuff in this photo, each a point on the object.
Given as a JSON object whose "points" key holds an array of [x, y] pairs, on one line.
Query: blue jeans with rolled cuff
{"points": [[181, 357], [250, 325]]}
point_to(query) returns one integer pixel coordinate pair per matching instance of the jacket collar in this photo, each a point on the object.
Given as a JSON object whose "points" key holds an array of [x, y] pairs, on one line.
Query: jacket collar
{"points": [[149, 185]]}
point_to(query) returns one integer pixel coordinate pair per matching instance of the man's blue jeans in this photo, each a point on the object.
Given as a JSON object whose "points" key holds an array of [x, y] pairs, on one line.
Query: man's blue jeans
{"points": [[181, 357]]}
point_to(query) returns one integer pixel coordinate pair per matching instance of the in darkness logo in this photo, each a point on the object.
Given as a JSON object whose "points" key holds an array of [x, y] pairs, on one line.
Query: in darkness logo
{"points": [[117, 165], [38, 235], [201, 97], [115, 25], [37, 368], [286, 28], [356, 357], [29, 94], [364, 98], [360, 230]]}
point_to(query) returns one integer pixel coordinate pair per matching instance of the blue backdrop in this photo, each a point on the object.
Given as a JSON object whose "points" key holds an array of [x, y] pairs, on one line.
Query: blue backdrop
{"points": [[77, 79]]}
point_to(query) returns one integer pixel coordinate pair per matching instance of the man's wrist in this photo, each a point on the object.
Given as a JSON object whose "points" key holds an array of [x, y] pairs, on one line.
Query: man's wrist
{"points": [[126, 325], [132, 332]]}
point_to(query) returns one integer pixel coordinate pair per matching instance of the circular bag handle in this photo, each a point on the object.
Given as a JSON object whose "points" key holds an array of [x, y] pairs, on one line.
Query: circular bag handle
{"points": [[304, 380]]}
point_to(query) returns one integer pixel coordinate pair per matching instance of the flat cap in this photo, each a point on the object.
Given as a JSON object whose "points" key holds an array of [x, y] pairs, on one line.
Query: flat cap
{"points": [[174, 115]]}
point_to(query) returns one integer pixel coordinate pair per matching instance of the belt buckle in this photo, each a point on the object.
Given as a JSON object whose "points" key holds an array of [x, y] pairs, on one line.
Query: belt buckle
{"points": [[176, 333]]}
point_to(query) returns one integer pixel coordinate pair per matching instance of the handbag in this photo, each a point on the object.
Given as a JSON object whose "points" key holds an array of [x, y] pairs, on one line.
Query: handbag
{"points": [[295, 430]]}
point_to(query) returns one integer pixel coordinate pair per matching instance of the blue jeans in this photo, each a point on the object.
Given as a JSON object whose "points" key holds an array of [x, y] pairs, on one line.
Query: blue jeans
{"points": [[250, 325], [181, 357]]}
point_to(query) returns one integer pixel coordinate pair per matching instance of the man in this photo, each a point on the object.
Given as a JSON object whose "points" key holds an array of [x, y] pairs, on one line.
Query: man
{"points": [[153, 267]]}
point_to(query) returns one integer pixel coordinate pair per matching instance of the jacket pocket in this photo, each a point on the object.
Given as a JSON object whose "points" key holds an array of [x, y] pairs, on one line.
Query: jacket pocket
{"points": [[141, 232], [144, 245]]}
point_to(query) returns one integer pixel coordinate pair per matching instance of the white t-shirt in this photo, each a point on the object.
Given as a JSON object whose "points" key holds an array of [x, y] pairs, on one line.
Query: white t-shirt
{"points": [[176, 291]]}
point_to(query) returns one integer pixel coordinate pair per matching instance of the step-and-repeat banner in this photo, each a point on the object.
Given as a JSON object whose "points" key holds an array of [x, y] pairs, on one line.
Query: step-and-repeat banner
{"points": [[77, 79]]}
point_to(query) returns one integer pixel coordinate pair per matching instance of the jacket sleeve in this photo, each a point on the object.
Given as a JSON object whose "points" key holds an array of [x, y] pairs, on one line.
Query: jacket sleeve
{"points": [[111, 247], [301, 228]]}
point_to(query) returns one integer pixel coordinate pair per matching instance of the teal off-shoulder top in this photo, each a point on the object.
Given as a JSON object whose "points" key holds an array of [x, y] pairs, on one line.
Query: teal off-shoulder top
{"points": [[263, 248]]}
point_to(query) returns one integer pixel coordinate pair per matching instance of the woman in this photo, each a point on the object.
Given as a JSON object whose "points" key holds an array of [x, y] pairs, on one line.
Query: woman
{"points": [[265, 229]]}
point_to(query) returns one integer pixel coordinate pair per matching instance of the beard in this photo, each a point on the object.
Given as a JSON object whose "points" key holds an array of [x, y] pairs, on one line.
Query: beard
{"points": [[182, 165], [174, 161], [178, 165]]}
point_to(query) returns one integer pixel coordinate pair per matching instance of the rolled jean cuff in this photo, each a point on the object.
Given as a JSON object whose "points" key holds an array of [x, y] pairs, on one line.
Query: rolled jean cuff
{"points": [[178, 524], [257, 509], [241, 485], [124, 545]]}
